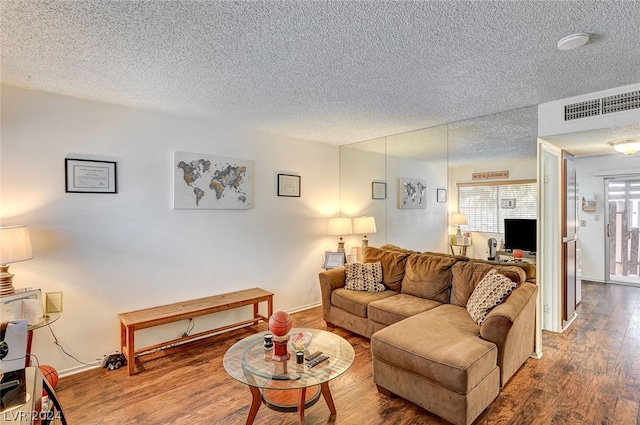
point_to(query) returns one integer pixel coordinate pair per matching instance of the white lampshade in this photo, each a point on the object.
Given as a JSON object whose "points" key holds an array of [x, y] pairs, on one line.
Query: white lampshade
{"points": [[364, 225], [340, 226], [15, 244], [459, 219]]}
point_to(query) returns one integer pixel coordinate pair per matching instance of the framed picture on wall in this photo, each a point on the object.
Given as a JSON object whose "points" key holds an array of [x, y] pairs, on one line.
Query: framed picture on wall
{"points": [[288, 185], [89, 176], [378, 190], [412, 193], [442, 195]]}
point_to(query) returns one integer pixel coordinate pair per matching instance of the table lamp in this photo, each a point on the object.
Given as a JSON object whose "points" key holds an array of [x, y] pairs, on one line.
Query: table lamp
{"points": [[459, 220], [340, 226], [15, 246], [363, 226]]}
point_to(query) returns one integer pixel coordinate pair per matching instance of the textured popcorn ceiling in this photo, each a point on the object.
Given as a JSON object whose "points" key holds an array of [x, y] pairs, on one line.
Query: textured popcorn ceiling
{"points": [[332, 71]]}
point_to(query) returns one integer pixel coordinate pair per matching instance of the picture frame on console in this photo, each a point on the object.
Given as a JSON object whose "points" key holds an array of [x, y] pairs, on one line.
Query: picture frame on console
{"points": [[333, 260]]}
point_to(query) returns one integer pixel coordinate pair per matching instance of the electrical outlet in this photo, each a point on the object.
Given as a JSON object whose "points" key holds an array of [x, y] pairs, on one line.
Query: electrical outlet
{"points": [[53, 302], [546, 308], [597, 217]]}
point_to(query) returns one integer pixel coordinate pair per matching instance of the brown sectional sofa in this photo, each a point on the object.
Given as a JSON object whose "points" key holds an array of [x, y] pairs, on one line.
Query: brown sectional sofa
{"points": [[425, 345]]}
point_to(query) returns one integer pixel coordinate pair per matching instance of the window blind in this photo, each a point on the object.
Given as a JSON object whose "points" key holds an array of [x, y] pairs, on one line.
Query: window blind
{"points": [[487, 205]]}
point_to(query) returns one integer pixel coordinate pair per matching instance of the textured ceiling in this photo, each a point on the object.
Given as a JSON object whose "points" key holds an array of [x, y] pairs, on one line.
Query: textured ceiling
{"points": [[333, 71]]}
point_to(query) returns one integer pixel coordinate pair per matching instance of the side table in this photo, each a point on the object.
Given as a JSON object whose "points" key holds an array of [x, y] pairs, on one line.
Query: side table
{"points": [[45, 321]]}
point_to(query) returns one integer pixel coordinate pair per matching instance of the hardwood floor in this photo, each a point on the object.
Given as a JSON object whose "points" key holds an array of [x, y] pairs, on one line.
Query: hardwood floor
{"points": [[588, 375]]}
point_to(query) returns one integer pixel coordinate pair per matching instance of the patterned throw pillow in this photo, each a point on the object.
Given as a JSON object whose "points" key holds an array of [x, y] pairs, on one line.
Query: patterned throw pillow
{"points": [[364, 277], [490, 292]]}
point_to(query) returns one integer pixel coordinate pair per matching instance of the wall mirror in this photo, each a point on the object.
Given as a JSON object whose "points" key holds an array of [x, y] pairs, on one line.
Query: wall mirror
{"points": [[441, 156]]}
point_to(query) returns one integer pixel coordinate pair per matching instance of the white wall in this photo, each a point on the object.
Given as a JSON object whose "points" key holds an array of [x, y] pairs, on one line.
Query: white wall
{"points": [[417, 229], [591, 238], [116, 253], [518, 170], [358, 169]]}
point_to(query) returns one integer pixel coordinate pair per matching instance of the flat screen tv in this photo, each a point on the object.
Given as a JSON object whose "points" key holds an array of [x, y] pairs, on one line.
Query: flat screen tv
{"points": [[520, 233]]}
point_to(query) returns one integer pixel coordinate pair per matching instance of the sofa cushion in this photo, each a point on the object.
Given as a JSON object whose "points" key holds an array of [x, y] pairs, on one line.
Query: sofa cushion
{"points": [[490, 292], [364, 277], [393, 309], [428, 276], [467, 274], [393, 265], [442, 345], [356, 302]]}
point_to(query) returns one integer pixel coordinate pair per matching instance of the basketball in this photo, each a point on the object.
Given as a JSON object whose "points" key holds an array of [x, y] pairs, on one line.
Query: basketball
{"points": [[51, 375], [280, 323]]}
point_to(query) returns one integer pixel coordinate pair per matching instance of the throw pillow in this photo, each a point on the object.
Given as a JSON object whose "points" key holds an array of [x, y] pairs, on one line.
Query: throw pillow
{"points": [[393, 265], [490, 292], [364, 277]]}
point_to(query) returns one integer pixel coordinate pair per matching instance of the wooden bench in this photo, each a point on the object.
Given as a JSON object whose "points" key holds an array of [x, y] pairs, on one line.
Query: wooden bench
{"points": [[149, 317]]}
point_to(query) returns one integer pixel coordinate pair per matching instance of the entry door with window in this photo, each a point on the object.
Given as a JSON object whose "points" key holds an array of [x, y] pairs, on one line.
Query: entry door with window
{"points": [[623, 195]]}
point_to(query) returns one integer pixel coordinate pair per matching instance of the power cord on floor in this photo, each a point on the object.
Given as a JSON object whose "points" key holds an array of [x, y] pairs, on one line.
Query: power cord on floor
{"points": [[55, 341], [190, 327]]}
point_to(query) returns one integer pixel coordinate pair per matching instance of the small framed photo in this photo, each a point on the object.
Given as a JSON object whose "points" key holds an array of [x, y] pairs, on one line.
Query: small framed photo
{"points": [[378, 190], [508, 204], [89, 176], [333, 260], [288, 185], [442, 195]]}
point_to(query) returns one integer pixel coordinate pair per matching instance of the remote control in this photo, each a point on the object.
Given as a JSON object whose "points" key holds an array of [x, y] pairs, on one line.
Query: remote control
{"points": [[317, 361], [313, 356], [8, 386]]}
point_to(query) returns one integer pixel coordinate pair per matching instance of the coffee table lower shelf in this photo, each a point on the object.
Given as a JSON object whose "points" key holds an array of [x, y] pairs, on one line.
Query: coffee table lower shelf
{"points": [[289, 400]]}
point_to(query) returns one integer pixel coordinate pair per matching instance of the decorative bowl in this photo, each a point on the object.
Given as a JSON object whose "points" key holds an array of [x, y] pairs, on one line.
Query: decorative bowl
{"points": [[300, 341]]}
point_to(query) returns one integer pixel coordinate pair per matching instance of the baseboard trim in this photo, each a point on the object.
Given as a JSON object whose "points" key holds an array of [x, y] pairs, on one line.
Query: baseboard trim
{"points": [[304, 307], [79, 369]]}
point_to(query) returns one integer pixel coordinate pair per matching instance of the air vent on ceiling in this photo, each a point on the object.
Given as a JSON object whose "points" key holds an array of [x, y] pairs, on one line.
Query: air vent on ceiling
{"points": [[606, 105], [621, 102], [585, 109]]}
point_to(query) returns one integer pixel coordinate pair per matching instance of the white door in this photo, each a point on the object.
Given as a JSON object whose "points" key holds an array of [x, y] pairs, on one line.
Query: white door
{"points": [[623, 200]]}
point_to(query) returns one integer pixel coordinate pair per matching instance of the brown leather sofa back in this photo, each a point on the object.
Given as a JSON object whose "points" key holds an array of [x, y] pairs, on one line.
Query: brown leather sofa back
{"points": [[467, 274], [428, 276]]}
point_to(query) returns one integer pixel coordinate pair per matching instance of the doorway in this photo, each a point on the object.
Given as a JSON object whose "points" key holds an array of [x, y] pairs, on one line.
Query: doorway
{"points": [[623, 201]]}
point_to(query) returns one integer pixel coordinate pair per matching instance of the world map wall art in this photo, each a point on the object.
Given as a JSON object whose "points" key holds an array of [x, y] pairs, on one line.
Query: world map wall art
{"points": [[412, 193], [209, 182]]}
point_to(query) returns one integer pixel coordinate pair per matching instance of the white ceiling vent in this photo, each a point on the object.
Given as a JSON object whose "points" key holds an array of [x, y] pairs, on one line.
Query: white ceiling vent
{"points": [[605, 105]]}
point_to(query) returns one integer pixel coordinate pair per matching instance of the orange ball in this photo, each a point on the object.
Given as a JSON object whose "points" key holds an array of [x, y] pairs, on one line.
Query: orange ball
{"points": [[280, 323], [51, 375]]}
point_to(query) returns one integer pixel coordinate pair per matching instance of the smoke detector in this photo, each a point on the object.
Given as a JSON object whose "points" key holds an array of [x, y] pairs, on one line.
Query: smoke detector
{"points": [[573, 41]]}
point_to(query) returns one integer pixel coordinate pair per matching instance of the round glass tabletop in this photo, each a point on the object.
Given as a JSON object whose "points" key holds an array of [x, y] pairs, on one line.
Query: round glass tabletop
{"points": [[248, 362], [45, 321]]}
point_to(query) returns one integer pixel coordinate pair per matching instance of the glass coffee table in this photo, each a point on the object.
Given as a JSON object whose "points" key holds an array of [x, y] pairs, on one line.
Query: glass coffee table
{"points": [[288, 386]]}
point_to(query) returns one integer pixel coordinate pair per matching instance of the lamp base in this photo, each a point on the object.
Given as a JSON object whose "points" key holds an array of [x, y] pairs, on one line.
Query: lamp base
{"points": [[6, 281], [365, 243]]}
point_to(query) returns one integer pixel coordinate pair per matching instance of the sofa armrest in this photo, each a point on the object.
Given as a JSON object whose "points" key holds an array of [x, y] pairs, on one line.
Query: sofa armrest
{"points": [[511, 326], [329, 281]]}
